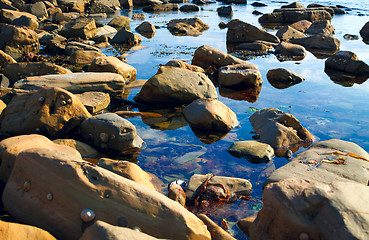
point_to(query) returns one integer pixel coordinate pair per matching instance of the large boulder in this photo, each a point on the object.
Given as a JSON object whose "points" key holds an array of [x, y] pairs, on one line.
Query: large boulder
{"points": [[73, 5], [37, 9], [111, 83], [26, 21], [346, 61], [280, 130], [187, 26], [43, 112], [241, 32], [81, 27], [83, 57], [290, 50], [176, 86], [11, 230], [364, 32], [239, 75], [290, 17], [64, 194], [146, 29], [318, 42], [120, 22], [323, 26], [104, 6], [17, 71], [286, 33], [282, 78], [114, 65], [8, 16], [127, 38], [210, 114], [17, 41]]}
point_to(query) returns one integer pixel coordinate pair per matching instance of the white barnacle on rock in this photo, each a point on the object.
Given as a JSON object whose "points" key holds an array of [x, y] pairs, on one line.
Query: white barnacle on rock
{"points": [[41, 100], [87, 215], [49, 196]]}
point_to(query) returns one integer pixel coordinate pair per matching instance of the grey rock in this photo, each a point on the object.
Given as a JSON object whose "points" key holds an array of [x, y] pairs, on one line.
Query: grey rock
{"points": [[252, 151], [318, 42], [364, 32], [290, 49], [286, 33], [225, 11], [348, 62], [324, 27]]}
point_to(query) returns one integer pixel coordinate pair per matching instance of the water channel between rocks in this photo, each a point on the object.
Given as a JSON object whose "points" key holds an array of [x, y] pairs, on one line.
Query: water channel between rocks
{"points": [[328, 110]]}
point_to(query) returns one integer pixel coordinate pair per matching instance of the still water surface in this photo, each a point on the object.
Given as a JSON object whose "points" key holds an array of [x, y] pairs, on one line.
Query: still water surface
{"points": [[328, 110]]}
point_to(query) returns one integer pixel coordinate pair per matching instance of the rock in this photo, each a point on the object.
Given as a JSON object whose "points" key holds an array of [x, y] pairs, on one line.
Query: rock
{"points": [[239, 75], [81, 57], [73, 5], [123, 199], [233, 185], [187, 26], [94, 101], [245, 224], [318, 42], [249, 94], [85, 150], [21, 231], [146, 29], [225, 11], [286, 33], [280, 130], [17, 71], [184, 65], [17, 41], [126, 169], [105, 30], [294, 16], [256, 12], [26, 22], [324, 27], [210, 114], [235, 1], [290, 49], [138, 16], [127, 38], [252, 151], [255, 48], [114, 65], [350, 37], [306, 209], [38, 9], [282, 78], [45, 112], [258, 4], [294, 5], [109, 131], [175, 86], [111, 83], [67, 17], [2, 106], [8, 16], [217, 233], [210, 59], [347, 61], [84, 28], [104, 6], [5, 59], [364, 32], [103, 231], [54, 43], [72, 46], [176, 193], [189, 8], [301, 26], [120, 22], [241, 32], [161, 7], [328, 9]]}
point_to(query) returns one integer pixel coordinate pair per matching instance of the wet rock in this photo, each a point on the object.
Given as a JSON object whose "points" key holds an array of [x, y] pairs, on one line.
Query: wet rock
{"points": [[301, 26], [189, 8], [258, 4], [114, 65], [161, 7], [111, 83], [184, 65], [290, 50], [347, 61], [294, 16], [225, 11], [252, 151], [241, 32], [105, 30], [249, 94], [11, 230], [138, 16], [364, 32], [210, 114], [73, 5], [45, 112], [5, 59], [17, 71], [81, 27], [233, 185], [73, 46], [104, 231], [318, 42], [286, 33], [255, 48], [282, 78], [81, 57], [324, 27], [239, 75], [38, 9], [126, 169], [350, 37], [146, 29], [109, 131], [85, 150], [235, 1], [8, 16], [217, 233], [104, 6], [67, 17], [94, 101], [120, 22], [328, 9], [168, 119], [175, 86], [176, 193], [345, 79], [294, 5], [280, 130], [187, 26], [16, 41], [47, 170], [257, 13], [127, 38], [245, 224], [210, 59]]}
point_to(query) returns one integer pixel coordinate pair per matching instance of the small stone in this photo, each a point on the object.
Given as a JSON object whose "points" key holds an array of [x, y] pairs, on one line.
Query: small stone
{"points": [[49, 196], [27, 185], [87, 215], [252, 151]]}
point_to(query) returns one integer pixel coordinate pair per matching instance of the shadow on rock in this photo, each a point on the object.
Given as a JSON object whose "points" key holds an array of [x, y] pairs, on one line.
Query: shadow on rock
{"points": [[345, 79], [249, 94]]}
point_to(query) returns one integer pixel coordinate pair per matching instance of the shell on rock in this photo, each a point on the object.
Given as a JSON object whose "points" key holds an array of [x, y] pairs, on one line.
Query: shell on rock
{"points": [[104, 137], [49, 196], [87, 215], [27, 186], [41, 100]]}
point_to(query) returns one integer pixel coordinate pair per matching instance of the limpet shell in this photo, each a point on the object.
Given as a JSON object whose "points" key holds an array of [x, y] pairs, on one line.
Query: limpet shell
{"points": [[87, 215], [49, 196]]}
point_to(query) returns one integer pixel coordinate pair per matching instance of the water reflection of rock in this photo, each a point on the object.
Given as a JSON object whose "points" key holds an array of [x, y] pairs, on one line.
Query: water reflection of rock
{"points": [[209, 136], [345, 79], [249, 94], [170, 119]]}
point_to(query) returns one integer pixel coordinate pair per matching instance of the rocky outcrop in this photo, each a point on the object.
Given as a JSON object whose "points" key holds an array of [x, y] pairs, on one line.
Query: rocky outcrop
{"points": [[187, 26], [239, 75], [114, 65], [86, 151], [318, 42], [252, 151], [175, 86], [282, 78], [81, 27], [294, 16]]}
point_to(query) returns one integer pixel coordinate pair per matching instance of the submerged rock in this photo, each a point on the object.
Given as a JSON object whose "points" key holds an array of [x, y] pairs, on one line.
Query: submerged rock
{"points": [[239, 75], [318, 42], [249, 94], [282, 78], [187, 26], [252, 151]]}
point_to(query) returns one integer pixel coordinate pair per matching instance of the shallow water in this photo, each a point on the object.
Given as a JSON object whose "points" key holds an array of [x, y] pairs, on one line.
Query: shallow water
{"points": [[328, 110]]}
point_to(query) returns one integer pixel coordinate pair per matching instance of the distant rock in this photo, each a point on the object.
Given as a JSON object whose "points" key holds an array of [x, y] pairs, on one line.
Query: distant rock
{"points": [[82, 57], [161, 7], [187, 26], [294, 16], [184, 65]]}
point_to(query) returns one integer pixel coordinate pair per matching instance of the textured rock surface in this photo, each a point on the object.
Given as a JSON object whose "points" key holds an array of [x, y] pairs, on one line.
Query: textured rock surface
{"points": [[81, 27], [253, 151], [187, 26], [94, 101], [294, 16], [81, 57], [364, 32], [286, 33], [217, 233], [184, 65], [282, 78], [126, 37], [21, 231], [114, 65], [301, 26], [347, 61], [290, 49], [120, 22], [239, 75], [324, 27], [318, 42], [5, 59], [85, 150]]}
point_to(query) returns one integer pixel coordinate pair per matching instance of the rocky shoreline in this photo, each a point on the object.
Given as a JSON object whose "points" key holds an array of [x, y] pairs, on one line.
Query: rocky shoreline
{"points": [[64, 146]]}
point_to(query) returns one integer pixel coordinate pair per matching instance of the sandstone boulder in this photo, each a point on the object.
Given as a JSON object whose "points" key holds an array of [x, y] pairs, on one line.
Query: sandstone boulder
{"points": [[81, 57], [20, 231], [294, 16], [239, 75], [126, 38], [176, 193], [301, 26], [282, 78], [187, 26], [84, 149], [210, 114], [114, 65], [73, 46], [318, 42], [73, 5], [8, 16], [323, 26], [175, 86], [37, 9], [94, 101], [25, 21], [184, 65], [146, 29], [106, 31], [217, 233], [104, 6], [120, 22], [161, 7], [43, 112], [73, 188], [286, 33], [290, 50], [364, 32], [346, 61], [252, 151], [5, 59], [81, 27]]}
